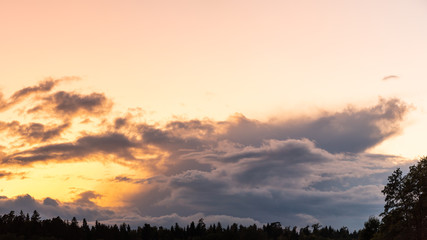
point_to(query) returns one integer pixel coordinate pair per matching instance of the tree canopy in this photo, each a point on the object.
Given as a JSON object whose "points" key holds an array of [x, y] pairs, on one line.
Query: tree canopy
{"points": [[405, 209]]}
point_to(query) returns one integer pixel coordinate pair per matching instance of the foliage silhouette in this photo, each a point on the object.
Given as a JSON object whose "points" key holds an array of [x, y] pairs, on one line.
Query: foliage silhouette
{"points": [[405, 209], [371, 227], [21, 226]]}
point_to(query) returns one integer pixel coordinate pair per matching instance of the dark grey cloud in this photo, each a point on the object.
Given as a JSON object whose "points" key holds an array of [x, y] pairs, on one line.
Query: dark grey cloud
{"points": [[123, 179], [279, 161], [18, 96], [43, 87], [68, 104], [179, 136], [108, 143], [120, 122], [193, 128], [50, 202], [352, 130], [34, 132], [306, 169], [176, 143], [296, 151], [85, 198], [281, 180], [194, 144]]}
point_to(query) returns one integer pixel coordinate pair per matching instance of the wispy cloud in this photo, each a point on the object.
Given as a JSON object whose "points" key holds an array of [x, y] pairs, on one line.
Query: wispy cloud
{"points": [[44, 86], [390, 77], [12, 175], [68, 104], [109, 143], [34, 132]]}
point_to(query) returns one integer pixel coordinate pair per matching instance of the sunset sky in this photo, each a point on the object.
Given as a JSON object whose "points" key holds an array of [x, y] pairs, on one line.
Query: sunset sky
{"points": [[235, 111]]}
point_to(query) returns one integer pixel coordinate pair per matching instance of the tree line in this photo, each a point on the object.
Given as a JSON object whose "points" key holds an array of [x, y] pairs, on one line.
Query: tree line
{"points": [[405, 209], [23, 226], [404, 218]]}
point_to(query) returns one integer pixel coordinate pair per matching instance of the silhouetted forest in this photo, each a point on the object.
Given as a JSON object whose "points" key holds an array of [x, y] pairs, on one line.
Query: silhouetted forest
{"points": [[24, 226]]}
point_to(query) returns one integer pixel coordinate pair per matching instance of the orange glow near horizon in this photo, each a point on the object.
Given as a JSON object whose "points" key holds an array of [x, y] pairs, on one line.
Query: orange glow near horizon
{"points": [[65, 181]]}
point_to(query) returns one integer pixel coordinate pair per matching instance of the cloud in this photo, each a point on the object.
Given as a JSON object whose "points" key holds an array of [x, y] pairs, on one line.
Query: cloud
{"points": [[34, 132], [44, 86], [123, 179], [294, 171], [390, 77], [120, 122], [190, 144], [4, 174], [50, 202], [278, 180], [352, 130], [9, 175], [170, 220], [85, 198], [307, 218], [60, 104], [108, 143], [68, 104], [49, 208]]}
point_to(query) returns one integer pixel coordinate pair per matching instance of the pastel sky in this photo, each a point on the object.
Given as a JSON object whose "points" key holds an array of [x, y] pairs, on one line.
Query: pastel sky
{"points": [[234, 111]]}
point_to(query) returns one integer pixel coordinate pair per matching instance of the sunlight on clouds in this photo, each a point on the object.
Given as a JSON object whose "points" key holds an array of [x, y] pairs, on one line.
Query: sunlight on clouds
{"points": [[65, 181], [73, 148], [409, 143]]}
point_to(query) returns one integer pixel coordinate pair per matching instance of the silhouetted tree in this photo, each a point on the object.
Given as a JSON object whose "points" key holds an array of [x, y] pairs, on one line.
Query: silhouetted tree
{"points": [[201, 227], [218, 227], [405, 215], [371, 227], [35, 217]]}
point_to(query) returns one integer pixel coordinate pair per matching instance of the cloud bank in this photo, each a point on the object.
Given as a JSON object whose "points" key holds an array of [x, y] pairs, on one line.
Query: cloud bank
{"points": [[239, 170]]}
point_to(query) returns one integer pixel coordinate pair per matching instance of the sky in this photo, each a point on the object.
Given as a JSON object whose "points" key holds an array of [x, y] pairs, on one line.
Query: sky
{"points": [[234, 111]]}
